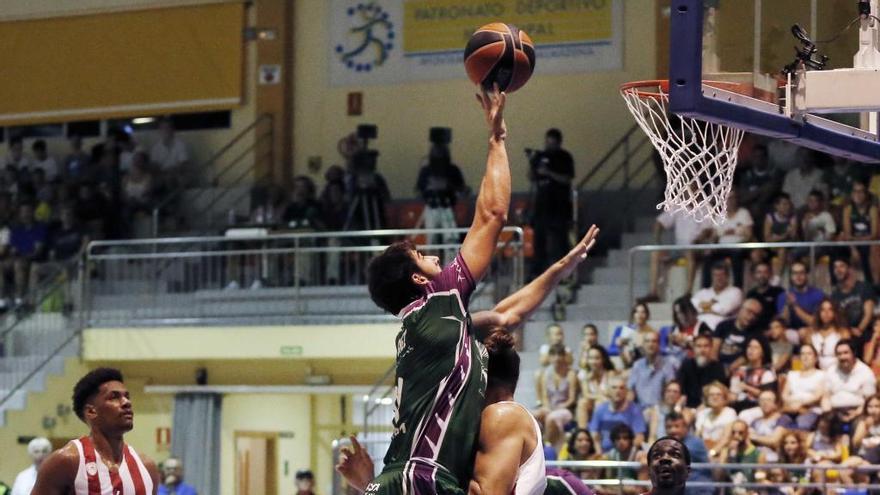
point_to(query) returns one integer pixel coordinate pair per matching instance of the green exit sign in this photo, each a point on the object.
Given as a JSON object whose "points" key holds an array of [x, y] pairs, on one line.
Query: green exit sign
{"points": [[291, 350]]}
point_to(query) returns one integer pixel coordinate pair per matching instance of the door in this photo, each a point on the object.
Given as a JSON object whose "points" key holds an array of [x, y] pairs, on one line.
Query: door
{"points": [[256, 463]]}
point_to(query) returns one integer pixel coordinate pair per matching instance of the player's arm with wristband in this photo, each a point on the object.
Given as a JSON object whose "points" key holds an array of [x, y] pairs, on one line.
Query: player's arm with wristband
{"points": [[517, 307], [493, 200]]}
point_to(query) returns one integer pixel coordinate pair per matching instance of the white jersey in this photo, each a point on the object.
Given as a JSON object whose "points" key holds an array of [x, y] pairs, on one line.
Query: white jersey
{"points": [[94, 477], [531, 478]]}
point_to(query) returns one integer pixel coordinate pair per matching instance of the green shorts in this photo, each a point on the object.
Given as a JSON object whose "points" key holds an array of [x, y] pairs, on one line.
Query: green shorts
{"points": [[414, 478]]}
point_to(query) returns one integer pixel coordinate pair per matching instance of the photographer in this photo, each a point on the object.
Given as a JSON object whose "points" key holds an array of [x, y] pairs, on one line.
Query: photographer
{"points": [[551, 172], [440, 183]]}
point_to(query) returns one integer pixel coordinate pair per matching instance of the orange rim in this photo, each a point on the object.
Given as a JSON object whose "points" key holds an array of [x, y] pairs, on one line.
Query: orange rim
{"points": [[649, 88]]}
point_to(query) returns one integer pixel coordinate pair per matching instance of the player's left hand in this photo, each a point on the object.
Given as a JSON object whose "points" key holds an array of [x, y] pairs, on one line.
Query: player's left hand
{"points": [[355, 465]]}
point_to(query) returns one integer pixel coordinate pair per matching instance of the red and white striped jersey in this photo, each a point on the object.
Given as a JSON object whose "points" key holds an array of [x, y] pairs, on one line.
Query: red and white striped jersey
{"points": [[94, 477]]}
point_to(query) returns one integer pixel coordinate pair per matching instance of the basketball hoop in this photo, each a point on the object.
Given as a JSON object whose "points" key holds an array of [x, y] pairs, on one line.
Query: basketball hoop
{"points": [[699, 157]]}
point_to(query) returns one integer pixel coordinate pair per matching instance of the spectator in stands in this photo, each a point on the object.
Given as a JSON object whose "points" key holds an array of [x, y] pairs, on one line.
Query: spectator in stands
{"points": [[839, 178], [866, 438], [303, 211], [440, 183], [687, 231], [735, 229], [137, 187], [673, 402], [551, 171], [713, 421], [334, 207], [804, 389], [800, 302], [767, 430], [580, 447], [626, 447], [817, 223], [28, 241], [855, 299], [729, 339], [871, 353], [628, 339], [698, 371], [828, 444], [43, 161], [649, 374], [558, 396], [554, 334], [76, 162], [38, 449], [172, 479], [16, 157], [594, 382], [805, 178], [849, 384], [91, 210], [765, 293], [781, 225], [67, 238], [740, 450], [678, 428], [719, 301], [780, 346], [861, 223], [755, 375], [170, 156], [590, 338], [827, 330], [792, 449], [616, 411], [686, 328], [305, 482], [759, 182]]}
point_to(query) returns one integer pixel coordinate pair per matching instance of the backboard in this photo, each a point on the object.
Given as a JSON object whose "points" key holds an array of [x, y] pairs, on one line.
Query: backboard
{"points": [[750, 42]]}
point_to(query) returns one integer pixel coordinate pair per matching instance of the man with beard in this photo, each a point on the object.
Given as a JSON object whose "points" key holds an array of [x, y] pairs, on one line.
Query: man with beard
{"points": [[764, 293], [100, 462], [699, 371]]}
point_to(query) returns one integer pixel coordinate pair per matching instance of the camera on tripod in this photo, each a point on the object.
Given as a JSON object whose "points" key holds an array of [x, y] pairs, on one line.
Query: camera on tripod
{"points": [[364, 160]]}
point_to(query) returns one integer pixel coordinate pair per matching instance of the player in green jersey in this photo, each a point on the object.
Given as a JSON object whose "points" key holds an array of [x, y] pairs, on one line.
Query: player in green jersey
{"points": [[441, 367]]}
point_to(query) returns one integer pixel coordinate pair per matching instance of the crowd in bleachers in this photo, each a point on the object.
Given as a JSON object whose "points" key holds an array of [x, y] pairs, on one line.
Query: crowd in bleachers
{"points": [[763, 362], [51, 206]]}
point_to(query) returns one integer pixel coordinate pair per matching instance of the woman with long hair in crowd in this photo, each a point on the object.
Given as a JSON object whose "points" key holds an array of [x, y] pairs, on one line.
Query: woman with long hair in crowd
{"points": [[580, 447], [627, 339], [747, 381], [596, 370], [558, 396], [712, 423], [804, 389], [866, 439], [827, 330]]}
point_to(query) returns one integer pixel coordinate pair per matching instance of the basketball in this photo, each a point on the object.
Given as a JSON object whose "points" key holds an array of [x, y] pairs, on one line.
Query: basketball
{"points": [[500, 53]]}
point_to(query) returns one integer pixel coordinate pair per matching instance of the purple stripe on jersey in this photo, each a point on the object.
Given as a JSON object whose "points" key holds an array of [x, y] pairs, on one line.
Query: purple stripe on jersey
{"points": [[571, 481], [430, 433], [422, 478]]}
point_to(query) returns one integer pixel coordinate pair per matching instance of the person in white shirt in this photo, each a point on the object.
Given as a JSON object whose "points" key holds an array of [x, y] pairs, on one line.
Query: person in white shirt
{"points": [[807, 177], [170, 154], [43, 161], [687, 231], [38, 449], [720, 301], [16, 157], [848, 384], [735, 229]]}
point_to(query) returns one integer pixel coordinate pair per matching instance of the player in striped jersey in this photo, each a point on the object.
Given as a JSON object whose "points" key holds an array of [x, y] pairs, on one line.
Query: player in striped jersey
{"points": [[100, 463]]}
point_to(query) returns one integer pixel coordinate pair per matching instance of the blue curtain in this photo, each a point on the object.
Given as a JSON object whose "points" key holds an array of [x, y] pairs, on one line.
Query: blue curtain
{"points": [[195, 439]]}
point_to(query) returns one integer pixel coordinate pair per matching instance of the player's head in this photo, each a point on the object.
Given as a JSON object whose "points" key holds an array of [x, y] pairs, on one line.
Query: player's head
{"points": [[101, 400], [669, 462], [503, 372], [397, 276]]}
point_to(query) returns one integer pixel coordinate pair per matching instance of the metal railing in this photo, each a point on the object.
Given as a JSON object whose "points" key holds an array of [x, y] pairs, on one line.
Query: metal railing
{"points": [[810, 247], [303, 277], [32, 340], [235, 151]]}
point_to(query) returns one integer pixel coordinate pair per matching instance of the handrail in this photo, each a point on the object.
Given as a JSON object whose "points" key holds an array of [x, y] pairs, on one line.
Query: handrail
{"points": [[649, 248], [206, 164], [607, 156], [46, 289]]}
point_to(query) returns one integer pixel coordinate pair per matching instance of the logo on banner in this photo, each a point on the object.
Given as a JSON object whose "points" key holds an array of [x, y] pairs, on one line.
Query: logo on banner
{"points": [[370, 38]]}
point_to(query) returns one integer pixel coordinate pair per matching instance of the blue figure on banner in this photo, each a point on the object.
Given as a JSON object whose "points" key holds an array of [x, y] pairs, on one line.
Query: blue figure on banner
{"points": [[373, 22]]}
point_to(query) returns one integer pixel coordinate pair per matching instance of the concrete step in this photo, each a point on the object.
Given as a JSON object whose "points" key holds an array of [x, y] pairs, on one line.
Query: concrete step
{"points": [[618, 274]]}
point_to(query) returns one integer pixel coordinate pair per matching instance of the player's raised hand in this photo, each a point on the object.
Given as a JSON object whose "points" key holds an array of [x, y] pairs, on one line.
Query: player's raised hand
{"points": [[579, 252], [355, 465], [493, 106]]}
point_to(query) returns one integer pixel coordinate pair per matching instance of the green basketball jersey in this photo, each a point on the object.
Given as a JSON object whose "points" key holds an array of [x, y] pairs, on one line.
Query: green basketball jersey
{"points": [[441, 383]]}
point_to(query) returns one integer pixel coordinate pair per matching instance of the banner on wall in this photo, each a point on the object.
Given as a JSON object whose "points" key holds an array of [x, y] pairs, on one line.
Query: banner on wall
{"points": [[396, 41]]}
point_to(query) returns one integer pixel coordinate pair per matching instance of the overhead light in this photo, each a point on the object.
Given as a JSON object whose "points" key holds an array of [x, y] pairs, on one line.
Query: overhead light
{"points": [[143, 120], [256, 33]]}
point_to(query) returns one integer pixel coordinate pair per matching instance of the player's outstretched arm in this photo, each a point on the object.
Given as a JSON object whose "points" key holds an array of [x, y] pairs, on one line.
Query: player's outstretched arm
{"points": [[518, 307], [501, 449], [493, 199], [57, 473]]}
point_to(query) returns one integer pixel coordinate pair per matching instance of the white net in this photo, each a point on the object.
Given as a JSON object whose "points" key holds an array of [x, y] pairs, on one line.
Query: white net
{"points": [[699, 157]]}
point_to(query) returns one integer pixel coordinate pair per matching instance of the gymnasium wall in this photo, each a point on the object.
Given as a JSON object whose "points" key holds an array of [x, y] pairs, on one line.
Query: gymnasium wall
{"points": [[586, 107]]}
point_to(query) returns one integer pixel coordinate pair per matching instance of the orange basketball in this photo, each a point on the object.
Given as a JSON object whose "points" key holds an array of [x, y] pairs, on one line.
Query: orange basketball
{"points": [[500, 53]]}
